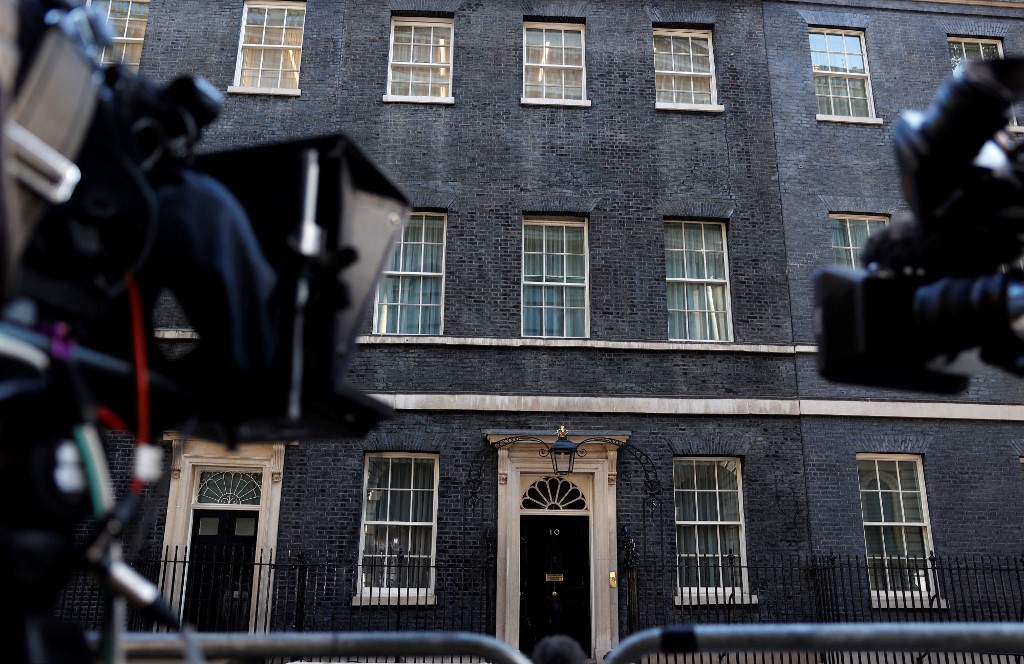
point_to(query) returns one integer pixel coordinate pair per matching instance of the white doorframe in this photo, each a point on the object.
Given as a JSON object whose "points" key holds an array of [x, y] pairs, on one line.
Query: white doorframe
{"points": [[600, 465], [191, 456]]}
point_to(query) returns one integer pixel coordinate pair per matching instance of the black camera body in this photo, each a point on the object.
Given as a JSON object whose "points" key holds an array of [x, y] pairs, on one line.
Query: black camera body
{"points": [[935, 297]]}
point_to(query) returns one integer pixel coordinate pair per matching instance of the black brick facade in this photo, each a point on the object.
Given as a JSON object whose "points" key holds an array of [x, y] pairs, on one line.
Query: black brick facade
{"points": [[765, 166]]}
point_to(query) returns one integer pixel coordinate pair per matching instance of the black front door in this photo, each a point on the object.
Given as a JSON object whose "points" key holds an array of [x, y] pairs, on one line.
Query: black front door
{"points": [[222, 550], [554, 592]]}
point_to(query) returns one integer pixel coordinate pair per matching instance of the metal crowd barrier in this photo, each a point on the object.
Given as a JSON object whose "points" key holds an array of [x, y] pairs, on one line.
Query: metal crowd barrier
{"points": [[136, 645], [1002, 638]]}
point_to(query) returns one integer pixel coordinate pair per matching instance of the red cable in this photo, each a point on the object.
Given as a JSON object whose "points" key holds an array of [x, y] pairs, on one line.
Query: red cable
{"points": [[142, 423]]}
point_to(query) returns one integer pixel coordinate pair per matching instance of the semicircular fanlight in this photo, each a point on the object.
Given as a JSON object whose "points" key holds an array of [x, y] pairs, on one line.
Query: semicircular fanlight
{"points": [[229, 488], [554, 493]]}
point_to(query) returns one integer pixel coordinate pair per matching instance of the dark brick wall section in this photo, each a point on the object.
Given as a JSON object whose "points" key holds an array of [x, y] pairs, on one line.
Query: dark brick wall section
{"points": [[972, 472], [765, 166]]}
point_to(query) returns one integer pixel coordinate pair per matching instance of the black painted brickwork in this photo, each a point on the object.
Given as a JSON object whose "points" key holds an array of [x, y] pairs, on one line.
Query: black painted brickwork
{"points": [[491, 158], [827, 167], [585, 371], [972, 472], [487, 159]]}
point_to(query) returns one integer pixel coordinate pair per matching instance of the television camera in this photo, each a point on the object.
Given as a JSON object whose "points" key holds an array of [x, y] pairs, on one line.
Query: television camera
{"points": [[936, 297], [271, 252]]}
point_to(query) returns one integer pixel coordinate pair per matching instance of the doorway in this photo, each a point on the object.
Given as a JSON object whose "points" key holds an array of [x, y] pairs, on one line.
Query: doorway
{"points": [[218, 592], [554, 579]]}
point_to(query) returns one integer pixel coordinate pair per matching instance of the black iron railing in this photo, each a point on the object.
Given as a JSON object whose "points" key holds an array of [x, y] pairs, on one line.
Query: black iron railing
{"points": [[829, 588], [324, 592], [223, 591]]}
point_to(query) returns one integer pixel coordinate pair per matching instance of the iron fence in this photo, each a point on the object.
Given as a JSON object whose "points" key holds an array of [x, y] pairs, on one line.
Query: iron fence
{"points": [[324, 592], [825, 589], [303, 592]]}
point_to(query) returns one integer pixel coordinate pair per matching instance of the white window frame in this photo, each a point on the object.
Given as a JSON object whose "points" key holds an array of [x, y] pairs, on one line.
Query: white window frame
{"points": [[537, 101], [713, 106], [236, 86], [105, 55], [378, 322], [849, 250], [1013, 125], [708, 281], [866, 77], [585, 286], [374, 595], [888, 598], [421, 23], [719, 594]]}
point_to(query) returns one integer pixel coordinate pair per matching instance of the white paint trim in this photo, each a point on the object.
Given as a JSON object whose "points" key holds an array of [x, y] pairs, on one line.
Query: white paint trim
{"points": [[913, 410], [848, 119], [190, 456], [277, 92], [399, 99], [544, 403], [177, 333], [705, 108], [536, 342], [538, 101], [599, 469]]}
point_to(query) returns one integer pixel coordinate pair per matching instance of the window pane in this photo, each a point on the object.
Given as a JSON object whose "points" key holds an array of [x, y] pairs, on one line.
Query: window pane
{"points": [[683, 474], [421, 540], [871, 507], [423, 477], [375, 539], [422, 506], [376, 505], [686, 506], [912, 507], [730, 506], [687, 539], [554, 323], [727, 475], [707, 506], [908, 475], [707, 539], [706, 475], [401, 473]]}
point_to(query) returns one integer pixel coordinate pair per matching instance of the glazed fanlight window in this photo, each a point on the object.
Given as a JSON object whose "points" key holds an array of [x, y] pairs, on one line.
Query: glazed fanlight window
{"points": [[684, 71], [553, 493], [554, 278], [553, 66], [410, 295], [850, 234], [127, 20], [895, 516], [399, 518], [270, 48], [841, 82], [698, 281], [229, 487], [709, 522], [421, 60], [964, 49]]}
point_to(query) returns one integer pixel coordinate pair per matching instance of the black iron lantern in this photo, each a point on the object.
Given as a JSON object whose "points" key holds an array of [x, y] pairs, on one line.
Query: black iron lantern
{"points": [[562, 452]]}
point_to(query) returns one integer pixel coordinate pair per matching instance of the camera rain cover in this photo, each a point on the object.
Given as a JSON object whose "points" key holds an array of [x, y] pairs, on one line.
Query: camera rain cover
{"points": [[329, 290]]}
